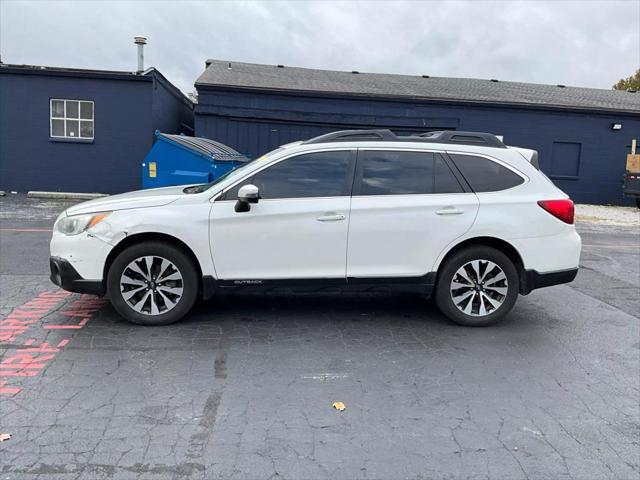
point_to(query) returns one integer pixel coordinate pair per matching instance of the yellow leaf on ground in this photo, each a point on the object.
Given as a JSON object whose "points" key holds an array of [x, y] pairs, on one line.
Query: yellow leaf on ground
{"points": [[4, 436], [339, 406]]}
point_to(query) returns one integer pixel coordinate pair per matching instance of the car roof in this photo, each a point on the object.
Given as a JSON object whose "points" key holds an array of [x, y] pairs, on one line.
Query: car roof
{"points": [[299, 147]]}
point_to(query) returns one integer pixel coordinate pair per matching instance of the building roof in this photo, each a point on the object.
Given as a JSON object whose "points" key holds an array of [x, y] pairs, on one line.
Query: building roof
{"points": [[66, 71], [146, 75], [278, 78]]}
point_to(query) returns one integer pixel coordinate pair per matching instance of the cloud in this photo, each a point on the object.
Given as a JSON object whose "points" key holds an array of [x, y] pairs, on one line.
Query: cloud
{"points": [[589, 43]]}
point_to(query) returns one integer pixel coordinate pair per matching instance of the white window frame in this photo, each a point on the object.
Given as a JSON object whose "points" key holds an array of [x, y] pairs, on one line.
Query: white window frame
{"points": [[64, 118]]}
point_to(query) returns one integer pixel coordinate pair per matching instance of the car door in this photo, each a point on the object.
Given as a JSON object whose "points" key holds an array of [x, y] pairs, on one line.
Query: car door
{"points": [[407, 206], [298, 228]]}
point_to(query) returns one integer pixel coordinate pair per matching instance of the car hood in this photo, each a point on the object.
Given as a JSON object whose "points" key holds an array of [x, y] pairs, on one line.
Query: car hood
{"points": [[155, 197]]}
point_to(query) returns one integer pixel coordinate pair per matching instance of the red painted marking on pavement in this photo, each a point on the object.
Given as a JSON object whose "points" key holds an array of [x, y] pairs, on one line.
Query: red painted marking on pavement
{"points": [[23, 317], [29, 362], [22, 366], [62, 327], [21, 373], [57, 327], [44, 347], [8, 390], [26, 365], [85, 307]]}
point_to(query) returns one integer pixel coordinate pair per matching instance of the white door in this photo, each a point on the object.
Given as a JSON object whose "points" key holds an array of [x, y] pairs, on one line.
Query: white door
{"points": [[407, 206], [297, 230]]}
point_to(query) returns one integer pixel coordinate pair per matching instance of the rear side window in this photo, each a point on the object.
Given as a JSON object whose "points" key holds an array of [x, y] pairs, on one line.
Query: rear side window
{"points": [[485, 175], [404, 173]]}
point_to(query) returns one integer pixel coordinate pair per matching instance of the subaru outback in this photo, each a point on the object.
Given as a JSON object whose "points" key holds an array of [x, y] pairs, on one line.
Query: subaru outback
{"points": [[458, 216]]}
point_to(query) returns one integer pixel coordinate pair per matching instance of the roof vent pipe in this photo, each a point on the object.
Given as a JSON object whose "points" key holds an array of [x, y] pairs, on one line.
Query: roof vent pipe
{"points": [[140, 42]]}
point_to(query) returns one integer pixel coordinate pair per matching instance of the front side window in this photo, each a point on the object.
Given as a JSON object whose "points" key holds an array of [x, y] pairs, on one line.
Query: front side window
{"points": [[71, 119], [485, 175], [404, 173], [321, 174]]}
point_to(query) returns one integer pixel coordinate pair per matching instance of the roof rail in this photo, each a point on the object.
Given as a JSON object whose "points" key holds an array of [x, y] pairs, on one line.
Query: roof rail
{"points": [[463, 138], [354, 135], [443, 136]]}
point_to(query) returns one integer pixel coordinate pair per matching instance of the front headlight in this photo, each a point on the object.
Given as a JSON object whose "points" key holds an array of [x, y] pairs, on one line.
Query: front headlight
{"points": [[76, 224]]}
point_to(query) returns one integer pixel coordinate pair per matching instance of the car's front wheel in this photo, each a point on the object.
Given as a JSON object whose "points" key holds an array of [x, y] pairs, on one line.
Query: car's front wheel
{"points": [[477, 286], [152, 283]]}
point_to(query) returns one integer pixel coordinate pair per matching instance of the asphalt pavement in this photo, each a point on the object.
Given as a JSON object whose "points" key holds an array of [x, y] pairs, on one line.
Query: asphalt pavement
{"points": [[243, 388]]}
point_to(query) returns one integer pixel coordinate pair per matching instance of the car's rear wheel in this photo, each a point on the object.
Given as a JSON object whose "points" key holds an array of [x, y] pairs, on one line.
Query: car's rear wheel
{"points": [[477, 286], [152, 283]]}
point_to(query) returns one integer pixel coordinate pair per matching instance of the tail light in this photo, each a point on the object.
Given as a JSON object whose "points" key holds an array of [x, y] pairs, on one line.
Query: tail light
{"points": [[561, 209]]}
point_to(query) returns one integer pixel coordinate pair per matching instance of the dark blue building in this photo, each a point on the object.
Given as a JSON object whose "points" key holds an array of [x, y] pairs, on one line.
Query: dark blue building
{"points": [[581, 134], [75, 130]]}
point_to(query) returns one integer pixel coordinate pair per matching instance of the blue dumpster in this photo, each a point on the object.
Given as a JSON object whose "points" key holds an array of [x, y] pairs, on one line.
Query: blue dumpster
{"points": [[180, 160]]}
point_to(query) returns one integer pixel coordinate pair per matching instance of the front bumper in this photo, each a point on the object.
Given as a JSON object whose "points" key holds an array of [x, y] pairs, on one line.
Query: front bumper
{"points": [[66, 277]]}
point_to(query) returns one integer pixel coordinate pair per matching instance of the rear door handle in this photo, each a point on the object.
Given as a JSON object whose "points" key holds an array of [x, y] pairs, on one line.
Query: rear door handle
{"points": [[449, 211], [331, 217]]}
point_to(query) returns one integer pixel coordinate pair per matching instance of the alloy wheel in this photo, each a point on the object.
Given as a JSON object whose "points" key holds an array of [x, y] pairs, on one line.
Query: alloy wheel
{"points": [[151, 285], [479, 288]]}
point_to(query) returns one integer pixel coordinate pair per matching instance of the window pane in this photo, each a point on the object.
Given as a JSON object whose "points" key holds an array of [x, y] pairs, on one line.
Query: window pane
{"points": [[86, 129], [321, 174], [72, 109], [57, 108], [86, 110], [444, 180], [396, 173], [57, 128], [485, 175], [72, 128]]}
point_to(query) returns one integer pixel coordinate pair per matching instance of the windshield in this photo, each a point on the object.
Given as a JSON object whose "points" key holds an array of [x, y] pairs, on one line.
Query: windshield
{"points": [[230, 174], [206, 186]]}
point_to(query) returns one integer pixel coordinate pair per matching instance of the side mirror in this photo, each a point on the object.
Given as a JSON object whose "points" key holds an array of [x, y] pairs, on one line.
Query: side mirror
{"points": [[246, 195]]}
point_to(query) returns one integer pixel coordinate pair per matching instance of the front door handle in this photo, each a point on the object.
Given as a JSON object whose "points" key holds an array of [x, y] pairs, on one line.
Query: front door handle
{"points": [[331, 217], [449, 211]]}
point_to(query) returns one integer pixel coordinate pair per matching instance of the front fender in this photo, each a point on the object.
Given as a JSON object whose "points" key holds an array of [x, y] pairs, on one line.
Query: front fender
{"points": [[187, 223]]}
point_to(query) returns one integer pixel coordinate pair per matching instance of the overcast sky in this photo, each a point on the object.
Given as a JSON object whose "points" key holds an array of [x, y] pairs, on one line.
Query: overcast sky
{"points": [[579, 43]]}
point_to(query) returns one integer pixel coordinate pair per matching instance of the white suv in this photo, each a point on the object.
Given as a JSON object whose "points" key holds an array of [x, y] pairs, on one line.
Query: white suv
{"points": [[455, 214]]}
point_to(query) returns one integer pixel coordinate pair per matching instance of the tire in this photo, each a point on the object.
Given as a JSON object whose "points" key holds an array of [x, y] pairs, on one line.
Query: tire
{"points": [[638, 202], [161, 298], [494, 296]]}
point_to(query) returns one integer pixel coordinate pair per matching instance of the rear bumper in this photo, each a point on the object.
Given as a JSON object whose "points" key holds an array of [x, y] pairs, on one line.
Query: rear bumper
{"points": [[533, 280], [555, 253], [66, 277]]}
